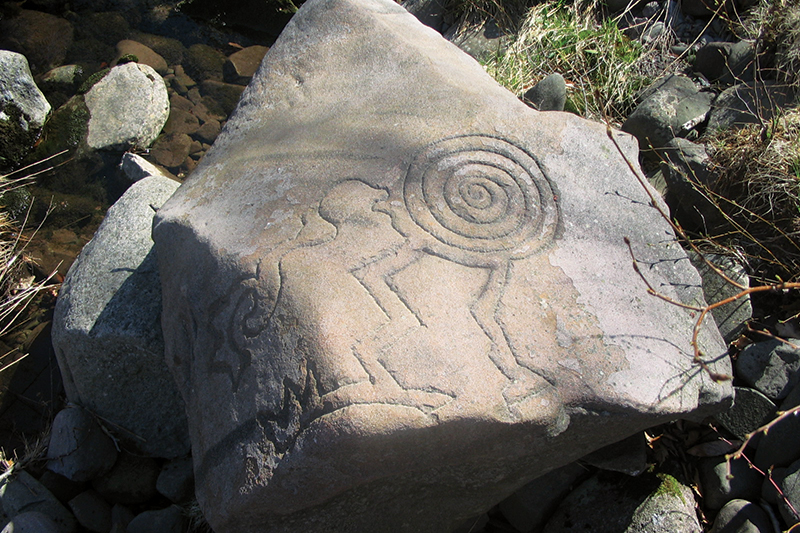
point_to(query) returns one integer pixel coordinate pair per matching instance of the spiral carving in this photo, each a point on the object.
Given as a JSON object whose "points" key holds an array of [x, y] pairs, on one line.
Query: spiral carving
{"points": [[480, 196]]}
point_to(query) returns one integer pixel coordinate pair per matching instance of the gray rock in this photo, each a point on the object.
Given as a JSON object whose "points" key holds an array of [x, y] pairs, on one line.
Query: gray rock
{"points": [[750, 411], [670, 509], [732, 317], [21, 493], [169, 520], [741, 516], [748, 103], [107, 333], [685, 168], [719, 488], [136, 167], [530, 506], [667, 107], [32, 522], [609, 504], [741, 63], [781, 445], [23, 108], [429, 12], [132, 480], [550, 94], [79, 450], [301, 259], [790, 486], [240, 66], [91, 511], [66, 78], [128, 108], [711, 59], [772, 367], [176, 480]]}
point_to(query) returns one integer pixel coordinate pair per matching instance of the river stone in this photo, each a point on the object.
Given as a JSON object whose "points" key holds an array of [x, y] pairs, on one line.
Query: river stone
{"points": [[128, 108], [392, 286], [106, 330], [23, 108]]}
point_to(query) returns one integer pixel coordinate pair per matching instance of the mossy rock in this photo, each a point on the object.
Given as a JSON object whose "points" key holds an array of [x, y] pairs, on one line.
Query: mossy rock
{"points": [[66, 129], [15, 142], [172, 50], [203, 62], [92, 80]]}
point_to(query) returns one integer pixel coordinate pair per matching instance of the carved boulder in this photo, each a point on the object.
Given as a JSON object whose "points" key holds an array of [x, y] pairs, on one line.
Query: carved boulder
{"points": [[393, 293]]}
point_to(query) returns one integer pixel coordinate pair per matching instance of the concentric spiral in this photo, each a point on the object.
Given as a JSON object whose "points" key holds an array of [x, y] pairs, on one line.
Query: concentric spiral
{"points": [[481, 196]]}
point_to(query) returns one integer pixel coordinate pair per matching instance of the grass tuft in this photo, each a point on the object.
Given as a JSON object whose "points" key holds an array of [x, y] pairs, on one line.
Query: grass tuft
{"points": [[603, 68]]}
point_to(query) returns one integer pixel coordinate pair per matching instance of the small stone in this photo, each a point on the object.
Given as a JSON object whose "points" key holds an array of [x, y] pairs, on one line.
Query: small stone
{"points": [[550, 94], [718, 489], [181, 121], [121, 516], [177, 101], [91, 511], [208, 132], [732, 317], [130, 482], [171, 150], [169, 520], [790, 485], [772, 367], [748, 103], [66, 78], [41, 37], [31, 522], [136, 167], [22, 493], [781, 445], [240, 66], [710, 60], [741, 516], [628, 456], [79, 449], [62, 488], [176, 480], [221, 97], [750, 410], [143, 54], [203, 62]]}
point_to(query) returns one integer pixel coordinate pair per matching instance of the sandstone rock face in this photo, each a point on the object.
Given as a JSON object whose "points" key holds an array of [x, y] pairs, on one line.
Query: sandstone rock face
{"points": [[106, 328], [393, 293]]}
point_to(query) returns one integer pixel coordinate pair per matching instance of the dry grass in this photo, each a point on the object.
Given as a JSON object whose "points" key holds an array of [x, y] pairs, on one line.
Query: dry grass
{"points": [[757, 189]]}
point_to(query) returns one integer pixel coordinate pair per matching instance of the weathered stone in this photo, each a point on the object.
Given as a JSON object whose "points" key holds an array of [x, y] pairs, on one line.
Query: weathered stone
{"points": [[550, 94], [748, 103], [628, 456], [750, 410], [208, 132], [32, 522], [21, 493], [390, 280], [91, 511], [23, 108], [128, 108], [171, 149], [144, 55], [670, 509], [669, 107], [790, 486], [429, 12], [181, 121], [741, 516], [772, 367], [202, 62], [66, 78], [79, 450], [136, 167], [107, 332], [721, 485], [240, 66], [781, 445], [220, 97], [169, 520], [176, 480], [732, 317]]}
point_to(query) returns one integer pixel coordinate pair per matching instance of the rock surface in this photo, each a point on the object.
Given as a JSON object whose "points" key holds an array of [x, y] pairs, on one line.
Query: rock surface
{"points": [[23, 108], [107, 324], [415, 304], [128, 108]]}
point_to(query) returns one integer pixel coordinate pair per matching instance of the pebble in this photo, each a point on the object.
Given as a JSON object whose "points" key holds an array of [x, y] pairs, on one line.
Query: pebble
{"points": [[741, 516], [169, 520], [79, 450], [718, 489], [91, 511], [132, 480], [31, 522], [771, 367]]}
